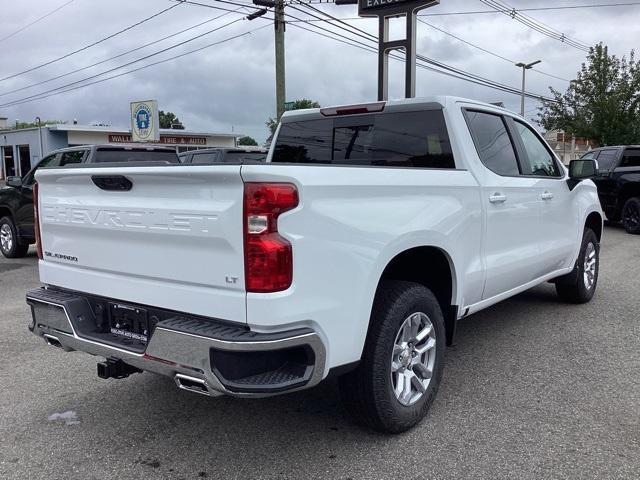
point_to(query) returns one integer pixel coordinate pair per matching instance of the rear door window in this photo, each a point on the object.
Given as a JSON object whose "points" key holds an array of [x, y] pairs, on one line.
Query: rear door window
{"points": [[493, 142], [631, 157], [406, 139]]}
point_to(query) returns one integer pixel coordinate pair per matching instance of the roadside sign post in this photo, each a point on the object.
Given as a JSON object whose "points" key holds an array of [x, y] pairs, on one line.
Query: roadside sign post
{"points": [[145, 121], [385, 10]]}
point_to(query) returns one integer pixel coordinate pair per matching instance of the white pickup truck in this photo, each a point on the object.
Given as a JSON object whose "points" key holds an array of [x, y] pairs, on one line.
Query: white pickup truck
{"points": [[353, 251]]}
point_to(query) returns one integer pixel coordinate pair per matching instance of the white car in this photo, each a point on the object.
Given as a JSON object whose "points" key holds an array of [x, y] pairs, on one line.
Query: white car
{"points": [[353, 251]]}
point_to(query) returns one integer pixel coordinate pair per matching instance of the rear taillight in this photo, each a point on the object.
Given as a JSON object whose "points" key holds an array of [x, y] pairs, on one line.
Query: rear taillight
{"points": [[36, 220], [268, 257]]}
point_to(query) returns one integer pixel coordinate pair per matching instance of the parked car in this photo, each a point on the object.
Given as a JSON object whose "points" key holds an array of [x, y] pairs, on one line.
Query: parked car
{"points": [[16, 198], [237, 155], [352, 252], [618, 184]]}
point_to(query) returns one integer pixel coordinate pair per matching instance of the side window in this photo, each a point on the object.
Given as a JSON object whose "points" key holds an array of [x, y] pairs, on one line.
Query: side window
{"points": [[69, 158], [631, 157], [607, 159], [493, 142], [49, 161], [589, 156], [539, 161]]}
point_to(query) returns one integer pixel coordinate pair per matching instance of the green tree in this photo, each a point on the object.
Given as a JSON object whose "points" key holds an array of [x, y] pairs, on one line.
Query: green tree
{"points": [[602, 103], [247, 141], [168, 119], [300, 104], [35, 124]]}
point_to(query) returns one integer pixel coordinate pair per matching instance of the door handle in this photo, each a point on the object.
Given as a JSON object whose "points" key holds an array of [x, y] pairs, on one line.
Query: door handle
{"points": [[498, 198], [546, 196]]}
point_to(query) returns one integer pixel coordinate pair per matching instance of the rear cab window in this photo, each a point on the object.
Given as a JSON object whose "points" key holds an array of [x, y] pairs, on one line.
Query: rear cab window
{"points": [[110, 155], [417, 139]]}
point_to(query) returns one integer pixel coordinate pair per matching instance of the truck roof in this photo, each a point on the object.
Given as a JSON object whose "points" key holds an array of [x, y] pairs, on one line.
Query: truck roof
{"points": [[428, 103]]}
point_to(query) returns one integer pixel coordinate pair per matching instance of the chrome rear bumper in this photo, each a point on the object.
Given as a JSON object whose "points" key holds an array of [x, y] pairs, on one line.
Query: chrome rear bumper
{"points": [[186, 349]]}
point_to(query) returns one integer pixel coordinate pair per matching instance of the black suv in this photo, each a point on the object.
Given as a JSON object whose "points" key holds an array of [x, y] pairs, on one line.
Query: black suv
{"points": [[16, 199], [618, 184]]}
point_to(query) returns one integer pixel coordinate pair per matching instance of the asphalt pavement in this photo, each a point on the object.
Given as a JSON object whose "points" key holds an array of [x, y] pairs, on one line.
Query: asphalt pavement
{"points": [[533, 388]]}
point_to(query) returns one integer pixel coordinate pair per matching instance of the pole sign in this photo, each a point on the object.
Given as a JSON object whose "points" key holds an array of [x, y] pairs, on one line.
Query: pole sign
{"points": [[289, 106], [145, 122], [373, 8], [384, 10]]}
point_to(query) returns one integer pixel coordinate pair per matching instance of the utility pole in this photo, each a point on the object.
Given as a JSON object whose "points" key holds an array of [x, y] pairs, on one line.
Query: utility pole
{"points": [[279, 25], [525, 67]]}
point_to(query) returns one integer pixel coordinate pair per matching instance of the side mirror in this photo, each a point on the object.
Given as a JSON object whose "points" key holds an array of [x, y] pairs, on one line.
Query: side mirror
{"points": [[14, 181], [584, 168]]}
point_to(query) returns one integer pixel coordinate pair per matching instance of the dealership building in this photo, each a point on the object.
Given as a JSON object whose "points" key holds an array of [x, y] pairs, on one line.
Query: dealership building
{"points": [[21, 149]]}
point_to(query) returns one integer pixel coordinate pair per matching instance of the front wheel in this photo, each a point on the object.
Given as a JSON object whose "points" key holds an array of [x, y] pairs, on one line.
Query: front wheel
{"points": [[580, 285], [631, 215], [401, 367], [10, 246]]}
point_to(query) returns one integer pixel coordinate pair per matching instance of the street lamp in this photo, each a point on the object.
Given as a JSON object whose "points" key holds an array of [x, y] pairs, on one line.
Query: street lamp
{"points": [[525, 67], [39, 122]]}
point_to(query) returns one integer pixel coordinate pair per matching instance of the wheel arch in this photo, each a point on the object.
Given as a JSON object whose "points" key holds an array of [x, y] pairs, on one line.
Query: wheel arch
{"points": [[628, 190], [594, 221], [432, 267], [5, 212]]}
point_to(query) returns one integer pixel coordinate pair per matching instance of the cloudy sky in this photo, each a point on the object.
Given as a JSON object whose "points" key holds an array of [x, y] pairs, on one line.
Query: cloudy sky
{"points": [[231, 85]]}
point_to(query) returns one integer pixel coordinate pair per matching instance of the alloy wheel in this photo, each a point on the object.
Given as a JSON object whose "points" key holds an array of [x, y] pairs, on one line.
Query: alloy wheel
{"points": [[6, 238], [590, 265], [413, 358], [631, 215]]}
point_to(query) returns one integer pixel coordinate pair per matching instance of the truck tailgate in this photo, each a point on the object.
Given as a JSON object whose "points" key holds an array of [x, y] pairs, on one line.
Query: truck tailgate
{"points": [[174, 240]]}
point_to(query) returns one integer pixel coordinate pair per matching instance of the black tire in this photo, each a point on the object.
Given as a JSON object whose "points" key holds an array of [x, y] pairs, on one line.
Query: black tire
{"points": [[573, 287], [15, 248], [631, 216], [367, 392]]}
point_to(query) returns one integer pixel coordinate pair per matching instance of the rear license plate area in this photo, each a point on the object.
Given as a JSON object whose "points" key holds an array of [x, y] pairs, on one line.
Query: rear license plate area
{"points": [[129, 322]]}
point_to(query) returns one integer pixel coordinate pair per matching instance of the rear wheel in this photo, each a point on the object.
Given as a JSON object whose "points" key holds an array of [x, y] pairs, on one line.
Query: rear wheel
{"points": [[10, 246], [401, 366], [580, 285], [631, 215]]}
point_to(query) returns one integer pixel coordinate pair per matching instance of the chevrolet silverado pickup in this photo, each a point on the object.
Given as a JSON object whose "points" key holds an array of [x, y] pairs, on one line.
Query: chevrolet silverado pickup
{"points": [[353, 251], [16, 198]]}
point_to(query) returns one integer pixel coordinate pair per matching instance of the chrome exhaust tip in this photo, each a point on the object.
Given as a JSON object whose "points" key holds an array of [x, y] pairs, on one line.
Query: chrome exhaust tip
{"points": [[52, 341], [192, 384]]}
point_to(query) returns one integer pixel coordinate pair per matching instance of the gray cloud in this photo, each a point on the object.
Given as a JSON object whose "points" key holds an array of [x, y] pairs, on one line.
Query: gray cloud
{"points": [[232, 85]]}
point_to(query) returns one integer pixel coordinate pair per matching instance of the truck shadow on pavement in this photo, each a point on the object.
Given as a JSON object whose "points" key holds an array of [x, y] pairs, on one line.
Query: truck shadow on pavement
{"points": [[154, 420]]}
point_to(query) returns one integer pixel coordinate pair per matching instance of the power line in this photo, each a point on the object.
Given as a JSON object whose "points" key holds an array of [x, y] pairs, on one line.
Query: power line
{"points": [[487, 51], [441, 67], [21, 29], [139, 68], [119, 55], [166, 49], [91, 44], [479, 12], [535, 24]]}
